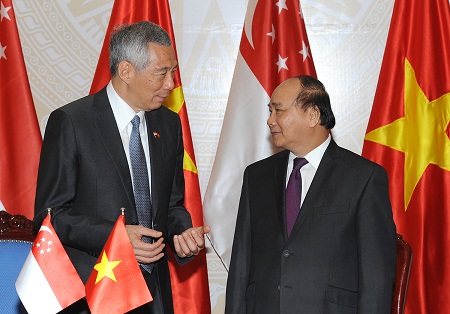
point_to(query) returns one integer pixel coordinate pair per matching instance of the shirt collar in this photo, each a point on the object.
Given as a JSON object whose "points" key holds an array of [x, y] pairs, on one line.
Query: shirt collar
{"points": [[315, 156], [122, 111]]}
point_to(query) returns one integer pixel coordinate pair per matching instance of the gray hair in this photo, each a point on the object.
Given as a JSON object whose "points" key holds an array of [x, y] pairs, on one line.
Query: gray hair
{"points": [[130, 42]]}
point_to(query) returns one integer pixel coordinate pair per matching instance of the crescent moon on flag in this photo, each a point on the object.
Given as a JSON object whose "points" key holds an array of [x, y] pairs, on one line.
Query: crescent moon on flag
{"points": [[248, 25], [45, 228]]}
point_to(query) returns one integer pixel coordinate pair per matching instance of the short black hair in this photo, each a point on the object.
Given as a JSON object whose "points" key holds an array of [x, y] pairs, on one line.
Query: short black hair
{"points": [[314, 94]]}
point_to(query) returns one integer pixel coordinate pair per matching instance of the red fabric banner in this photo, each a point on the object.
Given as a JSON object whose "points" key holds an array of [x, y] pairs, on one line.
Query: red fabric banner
{"points": [[408, 134], [20, 138], [48, 282], [108, 287]]}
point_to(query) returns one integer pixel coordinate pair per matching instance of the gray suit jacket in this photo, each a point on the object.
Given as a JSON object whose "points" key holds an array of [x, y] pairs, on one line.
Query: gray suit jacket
{"points": [[341, 255], [84, 177]]}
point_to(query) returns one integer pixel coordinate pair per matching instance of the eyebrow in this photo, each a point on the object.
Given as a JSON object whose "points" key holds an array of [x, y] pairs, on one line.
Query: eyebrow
{"points": [[274, 104], [165, 69]]}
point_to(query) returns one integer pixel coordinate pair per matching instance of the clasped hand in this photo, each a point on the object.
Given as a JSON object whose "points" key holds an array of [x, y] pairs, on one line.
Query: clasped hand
{"points": [[187, 244]]}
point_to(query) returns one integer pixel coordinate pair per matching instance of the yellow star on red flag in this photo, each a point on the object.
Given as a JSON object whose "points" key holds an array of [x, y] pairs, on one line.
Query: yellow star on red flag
{"points": [[105, 268], [175, 102], [420, 134], [129, 290]]}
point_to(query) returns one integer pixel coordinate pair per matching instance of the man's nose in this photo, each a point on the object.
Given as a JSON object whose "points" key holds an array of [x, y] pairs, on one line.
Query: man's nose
{"points": [[271, 120], [169, 84]]}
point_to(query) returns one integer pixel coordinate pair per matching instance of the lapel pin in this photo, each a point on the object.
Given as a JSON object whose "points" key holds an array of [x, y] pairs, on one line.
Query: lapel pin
{"points": [[156, 135]]}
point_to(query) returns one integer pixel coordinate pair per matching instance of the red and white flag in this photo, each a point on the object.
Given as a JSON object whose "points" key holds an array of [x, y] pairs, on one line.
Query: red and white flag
{"points": [[116, 284], [20, 138], [409, 134], [190, 288], [274, 47], [48, 282]]}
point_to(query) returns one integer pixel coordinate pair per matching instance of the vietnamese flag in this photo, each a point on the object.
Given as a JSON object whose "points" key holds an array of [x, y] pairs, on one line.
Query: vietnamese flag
{"points": [[190, 288], [48, 282], [108, 287], [20, 138], [408, 134]]}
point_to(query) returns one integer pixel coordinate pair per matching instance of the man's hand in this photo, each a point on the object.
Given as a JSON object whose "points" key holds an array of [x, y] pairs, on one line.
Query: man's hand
{"points": [[191, 241], [145, 252]]}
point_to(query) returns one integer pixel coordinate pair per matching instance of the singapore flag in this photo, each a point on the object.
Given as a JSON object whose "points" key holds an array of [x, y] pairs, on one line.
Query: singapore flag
{"points": [[274, 46], [48, 282]]}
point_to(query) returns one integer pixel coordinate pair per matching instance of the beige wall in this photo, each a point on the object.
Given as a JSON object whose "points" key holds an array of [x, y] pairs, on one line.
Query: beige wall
{"points": [[62, 39]]}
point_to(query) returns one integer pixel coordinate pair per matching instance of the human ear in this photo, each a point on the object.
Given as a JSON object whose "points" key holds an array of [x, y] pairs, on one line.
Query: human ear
{"points": [[314, 116], [125, 70]]}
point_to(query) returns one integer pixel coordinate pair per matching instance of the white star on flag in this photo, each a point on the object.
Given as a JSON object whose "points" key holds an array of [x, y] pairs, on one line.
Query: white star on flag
{"points": [[282, 63], [44, 241], [4, 12], [281, 4], [2, 51], [304, 51], [272, 34]]}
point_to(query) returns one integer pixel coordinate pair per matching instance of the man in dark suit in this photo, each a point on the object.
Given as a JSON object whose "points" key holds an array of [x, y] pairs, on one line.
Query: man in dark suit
{"points": [[338, 254], [85, 174]]}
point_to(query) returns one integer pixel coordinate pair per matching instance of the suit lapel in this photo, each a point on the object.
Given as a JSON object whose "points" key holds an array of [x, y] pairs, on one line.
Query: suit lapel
{"points": [[324, 172], [107, 129], [155, 144], [280, 189]]}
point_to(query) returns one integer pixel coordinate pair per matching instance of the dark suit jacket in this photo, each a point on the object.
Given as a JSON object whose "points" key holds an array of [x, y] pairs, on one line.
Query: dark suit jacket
{"points": [[341, 255], [84, 177]]}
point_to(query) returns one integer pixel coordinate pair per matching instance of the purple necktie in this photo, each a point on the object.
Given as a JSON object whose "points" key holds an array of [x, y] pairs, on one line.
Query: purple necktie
{"points": [[294, 194]]}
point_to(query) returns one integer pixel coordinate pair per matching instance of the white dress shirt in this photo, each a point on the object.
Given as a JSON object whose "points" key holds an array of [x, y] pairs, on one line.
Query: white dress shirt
{"points": [[308, 171], [123, 114]]}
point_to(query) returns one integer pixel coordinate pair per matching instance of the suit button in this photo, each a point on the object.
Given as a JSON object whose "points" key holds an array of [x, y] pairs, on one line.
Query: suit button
{"points": [[279, 287], [286, 253]]}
